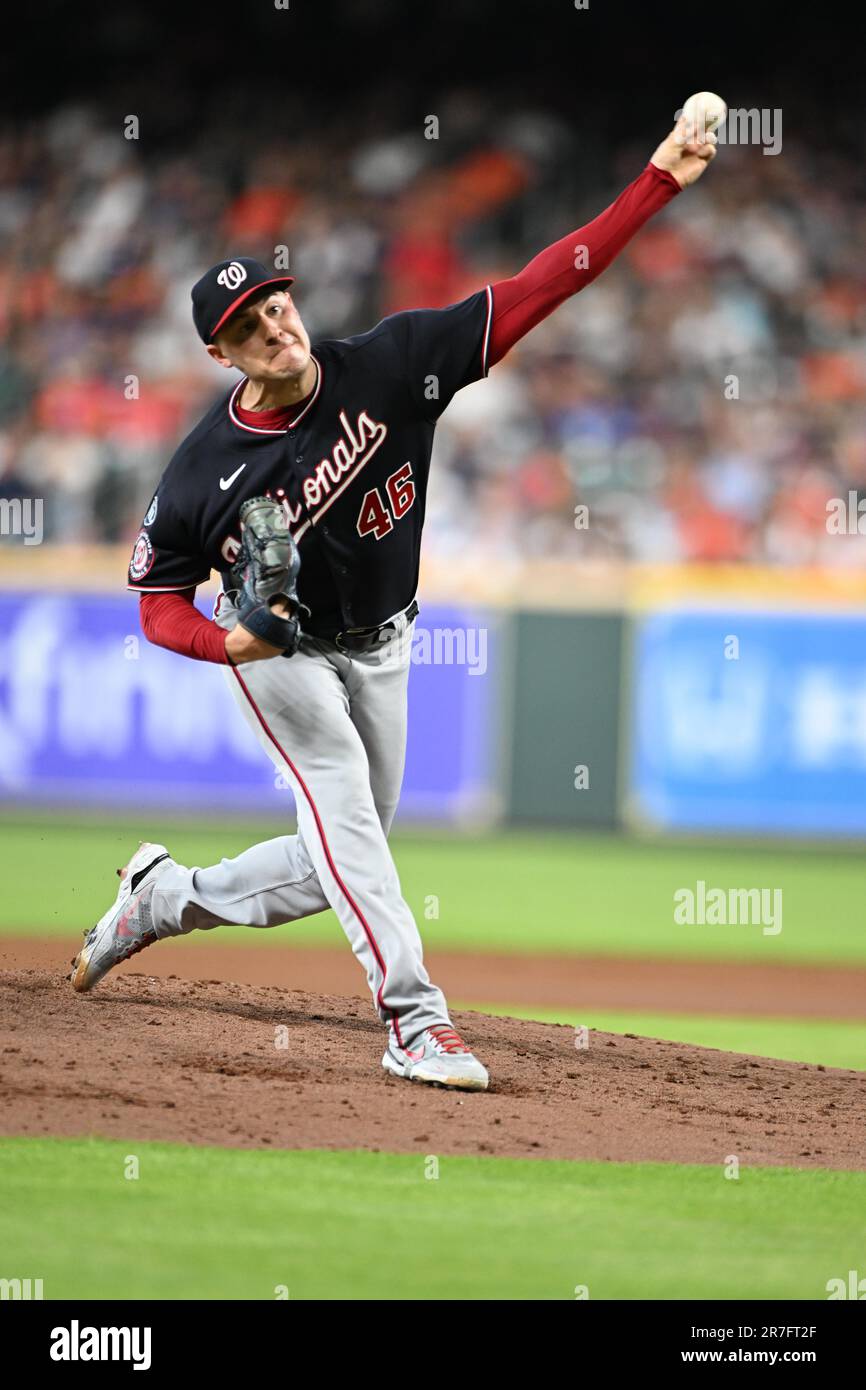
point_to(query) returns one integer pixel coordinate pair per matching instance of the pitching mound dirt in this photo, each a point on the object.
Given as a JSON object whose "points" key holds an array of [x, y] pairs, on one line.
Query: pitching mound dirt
{"points": [[565, 982], [210, 1063]]}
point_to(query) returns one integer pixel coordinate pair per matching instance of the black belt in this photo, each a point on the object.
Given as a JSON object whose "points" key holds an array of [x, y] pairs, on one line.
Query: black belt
{"points": [[364, 639]]}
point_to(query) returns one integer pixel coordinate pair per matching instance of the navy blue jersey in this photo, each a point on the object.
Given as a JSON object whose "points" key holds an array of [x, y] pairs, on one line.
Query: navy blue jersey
{"points": [[350, 469]]}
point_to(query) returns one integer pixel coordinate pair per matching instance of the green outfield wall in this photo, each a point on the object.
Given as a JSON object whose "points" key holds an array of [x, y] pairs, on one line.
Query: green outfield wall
{"points": [[562, 762]]}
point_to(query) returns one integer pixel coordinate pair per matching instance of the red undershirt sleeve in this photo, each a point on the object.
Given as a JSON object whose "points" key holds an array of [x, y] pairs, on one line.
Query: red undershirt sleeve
{"points": [[552, 277], [173, 621]]}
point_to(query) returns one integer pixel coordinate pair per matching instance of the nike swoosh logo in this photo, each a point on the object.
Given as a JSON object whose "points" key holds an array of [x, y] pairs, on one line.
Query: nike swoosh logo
{"points": [[225, 483]]}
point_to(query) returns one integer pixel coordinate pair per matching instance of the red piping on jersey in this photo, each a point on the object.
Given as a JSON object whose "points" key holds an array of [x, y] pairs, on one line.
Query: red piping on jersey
{"points": [[260, 429], [166, 588], [331, 865], [485, 342]]}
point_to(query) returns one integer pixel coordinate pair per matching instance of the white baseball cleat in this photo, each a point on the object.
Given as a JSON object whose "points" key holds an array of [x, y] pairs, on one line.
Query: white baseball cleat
{"points": [[440, 1057], [127, 926]]}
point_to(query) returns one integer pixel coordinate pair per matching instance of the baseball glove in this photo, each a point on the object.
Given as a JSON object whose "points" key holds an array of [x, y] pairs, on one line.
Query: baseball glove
{"points": [[267, 569]]}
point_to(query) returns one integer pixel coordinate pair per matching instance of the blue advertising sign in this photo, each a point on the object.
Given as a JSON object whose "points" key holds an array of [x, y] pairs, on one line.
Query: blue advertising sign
{"points": [[92, 714], [750, 722]]}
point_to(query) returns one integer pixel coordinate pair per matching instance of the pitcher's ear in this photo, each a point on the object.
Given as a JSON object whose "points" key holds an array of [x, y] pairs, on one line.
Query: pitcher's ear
{"points": [[218, 356]]}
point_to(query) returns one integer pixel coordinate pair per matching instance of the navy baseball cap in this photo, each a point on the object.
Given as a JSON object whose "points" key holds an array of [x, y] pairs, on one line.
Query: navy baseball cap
{"points": [[225, 287]]}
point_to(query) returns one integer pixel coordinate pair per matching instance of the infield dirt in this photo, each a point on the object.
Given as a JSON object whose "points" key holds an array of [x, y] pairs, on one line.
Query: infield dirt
{"points": [[782, 990], [208, 1062]]}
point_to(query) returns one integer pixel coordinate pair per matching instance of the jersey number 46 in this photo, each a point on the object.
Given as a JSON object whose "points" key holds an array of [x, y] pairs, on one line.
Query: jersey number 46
{"points": [[374, 518]]}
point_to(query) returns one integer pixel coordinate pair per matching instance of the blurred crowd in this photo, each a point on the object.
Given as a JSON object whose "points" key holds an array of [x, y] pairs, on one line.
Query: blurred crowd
{"points": [[702, 401]]}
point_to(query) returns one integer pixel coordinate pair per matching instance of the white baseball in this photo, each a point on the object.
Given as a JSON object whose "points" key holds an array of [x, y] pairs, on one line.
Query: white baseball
{"points": [[705, 111]]}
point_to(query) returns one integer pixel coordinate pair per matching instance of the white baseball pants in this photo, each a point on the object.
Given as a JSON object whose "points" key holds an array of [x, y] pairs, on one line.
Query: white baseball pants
{"points": [[335, 726]]}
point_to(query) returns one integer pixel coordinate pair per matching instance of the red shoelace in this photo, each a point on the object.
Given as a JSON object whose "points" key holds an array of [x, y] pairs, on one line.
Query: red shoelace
{"points": [[447, 1038]]}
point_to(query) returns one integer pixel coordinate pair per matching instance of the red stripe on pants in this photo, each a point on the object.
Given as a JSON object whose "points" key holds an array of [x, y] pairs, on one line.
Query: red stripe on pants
{"points": [[332, 866]]}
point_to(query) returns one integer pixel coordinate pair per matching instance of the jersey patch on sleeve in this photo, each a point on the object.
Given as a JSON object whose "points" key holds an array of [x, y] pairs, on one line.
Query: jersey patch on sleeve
{"points": [[142, 556]]}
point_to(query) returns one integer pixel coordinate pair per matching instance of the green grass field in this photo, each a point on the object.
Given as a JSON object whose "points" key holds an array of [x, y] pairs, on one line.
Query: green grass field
{"points": [[216, 1223], [514, 891], [824, 1042], [213, 1223]]}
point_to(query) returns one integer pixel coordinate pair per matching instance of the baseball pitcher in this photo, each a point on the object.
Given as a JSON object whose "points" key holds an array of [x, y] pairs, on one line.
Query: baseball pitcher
{"points": [[305, 487]]}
